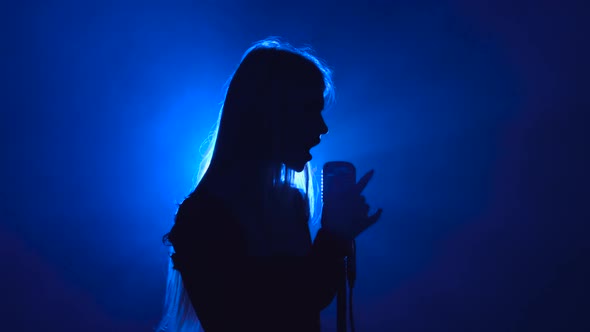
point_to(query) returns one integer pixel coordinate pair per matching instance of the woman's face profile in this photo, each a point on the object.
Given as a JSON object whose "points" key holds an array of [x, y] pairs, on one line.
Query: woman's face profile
{"points": [[303, 124]]}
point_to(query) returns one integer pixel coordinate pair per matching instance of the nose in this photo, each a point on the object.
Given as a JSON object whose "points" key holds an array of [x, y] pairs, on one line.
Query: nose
{"points": [[323, 127]]}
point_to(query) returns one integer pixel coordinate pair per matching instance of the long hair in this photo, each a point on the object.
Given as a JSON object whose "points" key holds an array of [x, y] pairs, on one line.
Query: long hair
{"points": [[259, 77]]}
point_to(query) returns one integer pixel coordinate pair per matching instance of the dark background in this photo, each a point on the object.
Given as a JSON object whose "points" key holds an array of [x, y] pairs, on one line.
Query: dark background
{"points": [[474, 115]]}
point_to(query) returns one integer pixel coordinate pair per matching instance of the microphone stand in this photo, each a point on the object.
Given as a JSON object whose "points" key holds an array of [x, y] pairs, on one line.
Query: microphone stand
{"points": [[348, 269], [341, 300]]}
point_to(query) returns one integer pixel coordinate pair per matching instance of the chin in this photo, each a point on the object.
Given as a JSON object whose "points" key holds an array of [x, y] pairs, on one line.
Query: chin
{"points": [[297, 166], [299, 169]]}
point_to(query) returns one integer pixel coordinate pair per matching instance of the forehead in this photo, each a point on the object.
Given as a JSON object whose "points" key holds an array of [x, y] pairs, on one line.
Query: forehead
{"points": [[306, 93]]}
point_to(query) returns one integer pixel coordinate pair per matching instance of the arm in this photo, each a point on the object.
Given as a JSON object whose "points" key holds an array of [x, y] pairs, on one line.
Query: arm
{"points": [[327, 260]]}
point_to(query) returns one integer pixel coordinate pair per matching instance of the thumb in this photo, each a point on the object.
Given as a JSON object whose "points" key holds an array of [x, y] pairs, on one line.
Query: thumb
{"points": [[373, 219]]}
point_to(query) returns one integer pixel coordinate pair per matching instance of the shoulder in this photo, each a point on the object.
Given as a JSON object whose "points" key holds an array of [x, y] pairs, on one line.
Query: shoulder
{"points": [[200, 216], [199, 203]]}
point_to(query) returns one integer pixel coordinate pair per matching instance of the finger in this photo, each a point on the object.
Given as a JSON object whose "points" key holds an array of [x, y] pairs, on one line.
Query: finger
{"points": [[373, 219], [366, 209], [360, 186]]}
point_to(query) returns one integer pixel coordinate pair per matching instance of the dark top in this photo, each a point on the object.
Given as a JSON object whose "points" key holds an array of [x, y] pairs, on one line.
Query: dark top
{"points": [[233, 291]]}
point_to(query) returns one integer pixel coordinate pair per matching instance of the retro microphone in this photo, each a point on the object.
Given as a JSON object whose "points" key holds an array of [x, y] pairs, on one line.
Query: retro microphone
{"points": [[337, 177]]}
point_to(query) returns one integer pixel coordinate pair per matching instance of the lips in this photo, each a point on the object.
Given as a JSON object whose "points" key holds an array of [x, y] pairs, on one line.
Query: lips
{"points": [[310, 146]]}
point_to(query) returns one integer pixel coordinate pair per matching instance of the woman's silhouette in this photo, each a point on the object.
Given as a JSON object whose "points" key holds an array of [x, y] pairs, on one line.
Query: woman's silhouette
{"points": [[243, 256]]}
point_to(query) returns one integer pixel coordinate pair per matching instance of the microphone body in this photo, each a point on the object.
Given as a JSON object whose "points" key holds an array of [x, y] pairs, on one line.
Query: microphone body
{"points": [[338, 177]]}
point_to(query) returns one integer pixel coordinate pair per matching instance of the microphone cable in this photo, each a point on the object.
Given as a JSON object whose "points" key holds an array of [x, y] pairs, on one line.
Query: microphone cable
{"points": [[351, 277]]}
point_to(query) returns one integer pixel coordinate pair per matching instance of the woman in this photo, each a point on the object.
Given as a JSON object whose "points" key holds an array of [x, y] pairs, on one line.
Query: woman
{"points": [[243, 256]]}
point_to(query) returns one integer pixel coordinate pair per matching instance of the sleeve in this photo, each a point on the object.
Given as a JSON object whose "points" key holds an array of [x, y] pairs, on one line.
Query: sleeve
{"points": [[222, 282]]}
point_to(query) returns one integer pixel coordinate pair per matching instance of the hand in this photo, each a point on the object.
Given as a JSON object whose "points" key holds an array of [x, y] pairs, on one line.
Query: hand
{"points": [[349, 214]]}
